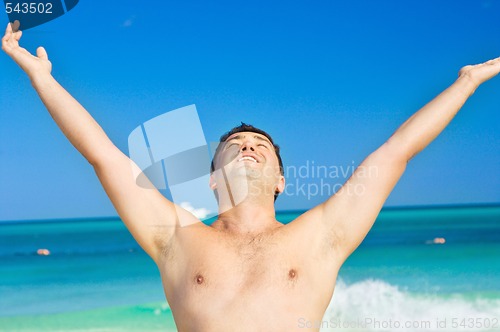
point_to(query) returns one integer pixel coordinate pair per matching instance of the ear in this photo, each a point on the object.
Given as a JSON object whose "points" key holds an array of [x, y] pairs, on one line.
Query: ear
{"points": [[281, 184], [212, 183]]}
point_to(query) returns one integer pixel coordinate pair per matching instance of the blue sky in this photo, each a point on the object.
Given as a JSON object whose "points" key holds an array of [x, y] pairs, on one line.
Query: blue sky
{"points": [[329, 80]]}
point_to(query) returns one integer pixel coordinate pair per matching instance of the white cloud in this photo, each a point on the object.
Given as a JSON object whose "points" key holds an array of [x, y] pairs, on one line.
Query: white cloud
{"points": [[128, 22], [198, 213]]}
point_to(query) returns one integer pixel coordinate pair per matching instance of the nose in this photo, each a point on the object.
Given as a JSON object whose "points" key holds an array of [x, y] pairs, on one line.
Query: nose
{"points": [[247, 145]]}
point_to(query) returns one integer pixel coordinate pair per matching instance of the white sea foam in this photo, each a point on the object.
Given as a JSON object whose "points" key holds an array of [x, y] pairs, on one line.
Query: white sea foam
{"points": [[374, 305]]}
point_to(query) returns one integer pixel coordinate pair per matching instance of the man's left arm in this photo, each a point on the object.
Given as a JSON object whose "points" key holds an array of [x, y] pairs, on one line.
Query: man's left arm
{"points": [[351, 212]]}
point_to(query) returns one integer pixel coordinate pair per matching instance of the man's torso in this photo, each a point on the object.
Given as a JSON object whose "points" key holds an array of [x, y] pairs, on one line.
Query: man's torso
{"points": [[272, 282]]}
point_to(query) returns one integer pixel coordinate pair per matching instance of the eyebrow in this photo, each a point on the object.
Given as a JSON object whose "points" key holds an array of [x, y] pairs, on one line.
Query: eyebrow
{"points": [[234, 137], [260, 138]]}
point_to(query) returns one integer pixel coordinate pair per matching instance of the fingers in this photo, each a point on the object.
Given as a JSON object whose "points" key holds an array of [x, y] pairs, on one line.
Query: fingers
{"points": [[18, 35], [42, 53], [10, 34], [10, 41], [9, 28], [6, 38]]}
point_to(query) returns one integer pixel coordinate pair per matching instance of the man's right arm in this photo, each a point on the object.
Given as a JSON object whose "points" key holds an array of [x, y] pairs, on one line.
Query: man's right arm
{"points": [[149, 216]]}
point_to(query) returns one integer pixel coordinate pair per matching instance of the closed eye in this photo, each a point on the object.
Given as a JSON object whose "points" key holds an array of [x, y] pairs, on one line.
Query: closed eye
{"points": [[230, 145]]}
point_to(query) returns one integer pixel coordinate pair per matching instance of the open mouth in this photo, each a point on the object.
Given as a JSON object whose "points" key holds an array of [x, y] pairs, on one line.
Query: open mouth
{"points": [[247, 158]]}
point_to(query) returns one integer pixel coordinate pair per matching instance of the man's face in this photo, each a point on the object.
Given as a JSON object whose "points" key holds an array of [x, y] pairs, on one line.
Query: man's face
{"points": [[250, 156]]}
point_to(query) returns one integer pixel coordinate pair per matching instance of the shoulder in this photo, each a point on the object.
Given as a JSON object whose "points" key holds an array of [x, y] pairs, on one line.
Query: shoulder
{"points": [[311, 230]]}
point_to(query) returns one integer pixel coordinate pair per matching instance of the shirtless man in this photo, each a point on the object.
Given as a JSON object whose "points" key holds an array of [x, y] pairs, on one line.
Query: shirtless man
{"points": [[247, 271]]}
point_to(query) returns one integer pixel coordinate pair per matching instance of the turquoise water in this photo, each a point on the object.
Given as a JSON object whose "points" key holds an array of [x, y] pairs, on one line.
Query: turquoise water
{"points": [[402, 272]]}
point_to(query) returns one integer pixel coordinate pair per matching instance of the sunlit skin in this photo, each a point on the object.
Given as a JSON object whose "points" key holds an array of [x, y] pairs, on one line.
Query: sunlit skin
{"points": [[247, 271], [247, 172]]}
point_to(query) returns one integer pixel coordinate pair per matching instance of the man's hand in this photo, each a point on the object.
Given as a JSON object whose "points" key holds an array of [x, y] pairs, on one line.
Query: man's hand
{"points": [[482, 72], [31, 64]]}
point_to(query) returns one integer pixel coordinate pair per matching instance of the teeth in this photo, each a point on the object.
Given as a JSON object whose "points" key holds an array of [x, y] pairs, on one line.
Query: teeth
{"points": [[248, 158]]}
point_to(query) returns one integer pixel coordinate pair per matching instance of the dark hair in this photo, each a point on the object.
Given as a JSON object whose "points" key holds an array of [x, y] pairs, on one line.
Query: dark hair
{"points": [[242, 128]]}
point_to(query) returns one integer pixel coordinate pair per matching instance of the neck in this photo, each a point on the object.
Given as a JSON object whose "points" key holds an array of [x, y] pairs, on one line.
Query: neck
{"points": [[250, 217]]}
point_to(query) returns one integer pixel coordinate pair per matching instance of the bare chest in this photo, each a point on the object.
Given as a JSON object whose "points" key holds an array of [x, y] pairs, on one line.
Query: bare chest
{"points": [[255, 283], [244, 279], [230, 270], [249, 268], [242, 267]]}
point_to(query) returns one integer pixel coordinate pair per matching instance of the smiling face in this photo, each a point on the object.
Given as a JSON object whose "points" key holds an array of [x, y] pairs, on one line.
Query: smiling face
{"points": [[251, 151], [247, 163]]}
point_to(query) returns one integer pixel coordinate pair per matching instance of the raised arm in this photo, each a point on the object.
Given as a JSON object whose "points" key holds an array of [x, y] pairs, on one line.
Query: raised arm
{"points": [[146, 213], [351, 212], [74, 121]]}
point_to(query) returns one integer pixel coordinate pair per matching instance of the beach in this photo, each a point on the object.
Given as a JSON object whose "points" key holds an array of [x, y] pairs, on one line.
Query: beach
{"points": [[419, 269]]}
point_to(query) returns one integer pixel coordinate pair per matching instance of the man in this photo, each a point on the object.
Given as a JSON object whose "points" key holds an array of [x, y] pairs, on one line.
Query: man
{"points": [[247, 271]]}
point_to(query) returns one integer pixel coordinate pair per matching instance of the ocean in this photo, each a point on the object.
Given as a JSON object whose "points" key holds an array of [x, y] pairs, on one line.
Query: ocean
{"points": [[419, 269]]}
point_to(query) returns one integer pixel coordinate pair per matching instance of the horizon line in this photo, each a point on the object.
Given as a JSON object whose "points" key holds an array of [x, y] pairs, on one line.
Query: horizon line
{"points": [[385, 208]]}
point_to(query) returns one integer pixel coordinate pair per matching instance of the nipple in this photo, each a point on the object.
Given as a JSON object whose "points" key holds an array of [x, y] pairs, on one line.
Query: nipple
{"points": [[199, 279], [292, 274]]}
